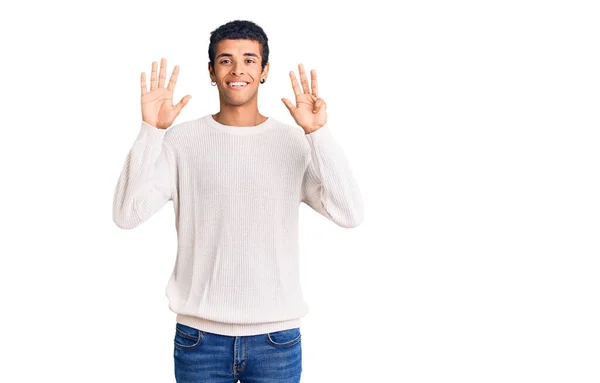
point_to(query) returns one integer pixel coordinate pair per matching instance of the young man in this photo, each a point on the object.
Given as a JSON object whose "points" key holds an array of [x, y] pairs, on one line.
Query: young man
{"points": [[236, 179]]}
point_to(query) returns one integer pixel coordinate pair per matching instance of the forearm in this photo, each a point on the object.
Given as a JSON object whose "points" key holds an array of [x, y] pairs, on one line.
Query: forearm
{"points": [[144, 184], [331, 186]]}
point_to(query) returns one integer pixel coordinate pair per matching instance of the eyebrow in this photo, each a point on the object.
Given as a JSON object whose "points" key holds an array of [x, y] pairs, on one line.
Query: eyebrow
{"points": [[229, 55]]}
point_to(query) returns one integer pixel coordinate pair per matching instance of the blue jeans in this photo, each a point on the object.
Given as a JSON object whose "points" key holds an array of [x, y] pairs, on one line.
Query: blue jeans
{"points": [[205, 357]]}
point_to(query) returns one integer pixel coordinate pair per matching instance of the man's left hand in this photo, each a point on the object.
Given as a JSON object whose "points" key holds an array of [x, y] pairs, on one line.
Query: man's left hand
{"points": [[309, 112]]}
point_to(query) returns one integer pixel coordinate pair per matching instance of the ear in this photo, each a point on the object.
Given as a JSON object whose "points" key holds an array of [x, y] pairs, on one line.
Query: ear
{"points": [[211, 72], [265, 71]]}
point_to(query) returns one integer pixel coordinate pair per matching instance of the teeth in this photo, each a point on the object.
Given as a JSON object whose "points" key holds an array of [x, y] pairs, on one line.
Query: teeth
{"points": [[238, 83]]}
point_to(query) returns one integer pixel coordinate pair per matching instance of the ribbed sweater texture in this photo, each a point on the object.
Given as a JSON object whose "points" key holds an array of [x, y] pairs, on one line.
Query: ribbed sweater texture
{"points": [[236, 194]]}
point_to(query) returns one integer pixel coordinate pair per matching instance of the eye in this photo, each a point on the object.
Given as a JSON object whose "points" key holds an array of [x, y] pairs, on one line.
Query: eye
{"points": [[223, 61], [250, 60]]}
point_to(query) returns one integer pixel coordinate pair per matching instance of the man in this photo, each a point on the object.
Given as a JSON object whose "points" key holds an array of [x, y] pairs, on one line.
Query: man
{"points": [[236, 179]]}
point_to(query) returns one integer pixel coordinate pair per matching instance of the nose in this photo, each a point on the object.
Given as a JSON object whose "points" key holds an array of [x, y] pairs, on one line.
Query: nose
{"points": [[236, 69]]}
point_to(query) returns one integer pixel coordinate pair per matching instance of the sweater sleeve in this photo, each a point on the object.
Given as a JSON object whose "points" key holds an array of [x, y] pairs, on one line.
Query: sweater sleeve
{"points": [[329, 186], [146, 181]]}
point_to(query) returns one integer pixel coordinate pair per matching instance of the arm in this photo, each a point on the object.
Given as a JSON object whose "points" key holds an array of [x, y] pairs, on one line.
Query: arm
{"points": [[146, 181], [328, 186]]}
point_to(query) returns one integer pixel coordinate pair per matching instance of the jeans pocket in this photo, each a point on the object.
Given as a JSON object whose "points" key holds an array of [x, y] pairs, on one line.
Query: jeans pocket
{"points": [[284, 338], [186, 337]]}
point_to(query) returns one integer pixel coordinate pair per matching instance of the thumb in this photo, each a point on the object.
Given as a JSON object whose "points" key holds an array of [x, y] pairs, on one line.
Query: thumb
{"points": [[319, 104], [182, 103], [289, 105]]}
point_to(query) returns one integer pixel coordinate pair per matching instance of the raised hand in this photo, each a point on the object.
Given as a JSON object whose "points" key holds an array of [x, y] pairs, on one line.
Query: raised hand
{"points": [[157, 105], [309, 111]]}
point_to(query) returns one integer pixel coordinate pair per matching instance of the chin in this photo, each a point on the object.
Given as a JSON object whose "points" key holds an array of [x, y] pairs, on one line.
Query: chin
{"points": [[236, 102]]}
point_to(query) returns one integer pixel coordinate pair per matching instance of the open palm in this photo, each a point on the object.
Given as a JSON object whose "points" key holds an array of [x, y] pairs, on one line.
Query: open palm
{"points": [[157, 104], [310, 110]]}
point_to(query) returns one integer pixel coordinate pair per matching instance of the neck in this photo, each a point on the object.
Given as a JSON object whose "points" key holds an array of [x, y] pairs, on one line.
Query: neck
{"points": [[243, 115]]}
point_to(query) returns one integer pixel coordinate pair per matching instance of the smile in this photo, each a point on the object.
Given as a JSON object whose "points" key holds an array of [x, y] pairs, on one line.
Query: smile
{"points": [[237, 84]]}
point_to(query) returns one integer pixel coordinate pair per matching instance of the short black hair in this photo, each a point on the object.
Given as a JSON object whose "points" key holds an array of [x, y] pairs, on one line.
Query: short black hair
{"points": [[236, 30]]}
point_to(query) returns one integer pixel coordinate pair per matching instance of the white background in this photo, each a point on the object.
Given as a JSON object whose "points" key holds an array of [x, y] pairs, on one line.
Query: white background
{"points": [[472, 129]]}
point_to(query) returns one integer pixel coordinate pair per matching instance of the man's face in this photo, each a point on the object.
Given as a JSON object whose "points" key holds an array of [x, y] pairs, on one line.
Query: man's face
{"points": [[237, 70]]}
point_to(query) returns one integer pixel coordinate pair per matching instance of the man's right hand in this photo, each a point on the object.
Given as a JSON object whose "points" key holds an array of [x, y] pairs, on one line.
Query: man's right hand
{"points": [[157, 104]]}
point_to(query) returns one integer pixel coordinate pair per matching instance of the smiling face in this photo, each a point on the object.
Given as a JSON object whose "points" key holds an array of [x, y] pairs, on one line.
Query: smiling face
{"points": [[237, 71]]}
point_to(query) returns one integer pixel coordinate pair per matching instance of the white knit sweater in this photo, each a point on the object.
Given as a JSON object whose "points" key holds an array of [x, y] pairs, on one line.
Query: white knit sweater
{"points": [[236, 193]]}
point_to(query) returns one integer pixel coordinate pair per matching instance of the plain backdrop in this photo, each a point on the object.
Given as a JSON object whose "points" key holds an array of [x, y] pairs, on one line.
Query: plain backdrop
{"points": [[471, 127]]}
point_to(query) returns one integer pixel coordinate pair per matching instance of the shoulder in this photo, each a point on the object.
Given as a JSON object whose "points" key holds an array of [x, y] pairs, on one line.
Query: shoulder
{"points": [[182, 130], [291, 135], [182, 127], [291, 130]]}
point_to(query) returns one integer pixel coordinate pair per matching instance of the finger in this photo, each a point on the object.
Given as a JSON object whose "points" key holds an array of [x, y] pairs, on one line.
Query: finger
{"points": [[153, 76], [319, 105], [173, 79], [295, 85], [163, 73], [289, 105], [143, 83], [313, 83], [303, 79], [182, 103]]}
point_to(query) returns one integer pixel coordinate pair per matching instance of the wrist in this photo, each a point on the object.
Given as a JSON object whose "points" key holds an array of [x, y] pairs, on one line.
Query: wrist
{"points": [[311, 129]]}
